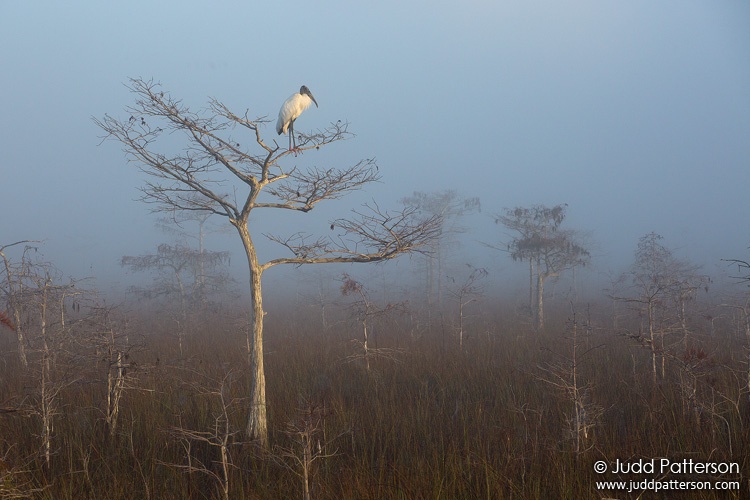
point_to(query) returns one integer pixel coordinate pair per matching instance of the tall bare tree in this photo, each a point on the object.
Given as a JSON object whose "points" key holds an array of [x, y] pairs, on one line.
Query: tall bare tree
{"points": [[13, 285], [223, 166], [365, 310], [548, 249], [180, 226], [182, 269], [39, 301], [467, 292], [661, 280], [450, 207]]}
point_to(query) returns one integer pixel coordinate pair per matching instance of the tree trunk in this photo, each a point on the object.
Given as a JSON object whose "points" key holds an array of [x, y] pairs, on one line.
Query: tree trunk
{"points": [[531, 287], [20, 337], [183, 313], [15, 306], [651, 338], [257, 425], [683, 322], [201, 264], [430, 286], [439, 279], [365, 344], [461, 323], [541, 278], [539, 299]]}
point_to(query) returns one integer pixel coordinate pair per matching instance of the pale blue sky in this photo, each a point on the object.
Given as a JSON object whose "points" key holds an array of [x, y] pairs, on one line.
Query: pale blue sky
{"points": [[636, 114]]}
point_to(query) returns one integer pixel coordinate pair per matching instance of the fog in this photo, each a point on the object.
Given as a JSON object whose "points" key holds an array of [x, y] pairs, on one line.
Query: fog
{"points": [[636, 114]]}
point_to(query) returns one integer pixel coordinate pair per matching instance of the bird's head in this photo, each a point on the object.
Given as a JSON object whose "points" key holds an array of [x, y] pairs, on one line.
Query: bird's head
{"points": [[305, 91]]}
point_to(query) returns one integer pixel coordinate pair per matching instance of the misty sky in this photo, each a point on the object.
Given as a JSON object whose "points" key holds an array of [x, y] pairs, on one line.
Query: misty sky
{"points": [[635, 113]]}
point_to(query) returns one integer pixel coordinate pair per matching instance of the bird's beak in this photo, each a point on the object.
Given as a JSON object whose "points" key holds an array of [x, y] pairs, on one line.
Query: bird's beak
{"points": [[313, 99]]}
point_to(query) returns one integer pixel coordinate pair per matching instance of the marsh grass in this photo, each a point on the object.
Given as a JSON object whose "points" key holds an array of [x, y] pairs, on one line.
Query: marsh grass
{"points": [[437, 423]]}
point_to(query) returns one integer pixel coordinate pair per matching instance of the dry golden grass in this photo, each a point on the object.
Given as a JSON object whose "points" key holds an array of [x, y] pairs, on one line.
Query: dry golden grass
{"points": [[436, 423]]}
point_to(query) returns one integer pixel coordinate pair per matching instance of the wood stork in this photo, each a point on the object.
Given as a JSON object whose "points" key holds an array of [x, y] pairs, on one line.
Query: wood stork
{"points": [[290, 111]]}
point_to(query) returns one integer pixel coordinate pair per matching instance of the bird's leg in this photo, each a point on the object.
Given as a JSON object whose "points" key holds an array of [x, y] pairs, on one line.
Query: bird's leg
{"points": [[292, 142]]}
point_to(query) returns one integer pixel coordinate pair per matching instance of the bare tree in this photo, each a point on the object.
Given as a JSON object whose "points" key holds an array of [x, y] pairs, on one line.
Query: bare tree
{"points": [[180, 262], [566, 376], [207, 279], [652, 280], [213, 172], [365, 311], [548, 249], [13, 288], [49, 337], [450, 206], [469, 291], [659, 281], [184, 271], [309, 444], [220, 437], [106, 337]]}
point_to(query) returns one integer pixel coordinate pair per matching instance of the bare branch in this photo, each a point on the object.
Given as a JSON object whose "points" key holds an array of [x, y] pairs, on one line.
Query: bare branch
{"points": [[742, 266], [195, 178], [215, 172], [305, 189], [372, 235]]}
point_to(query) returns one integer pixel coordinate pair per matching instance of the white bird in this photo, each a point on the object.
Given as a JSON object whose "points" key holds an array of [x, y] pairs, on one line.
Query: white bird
{"points": [[290, 111]]}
